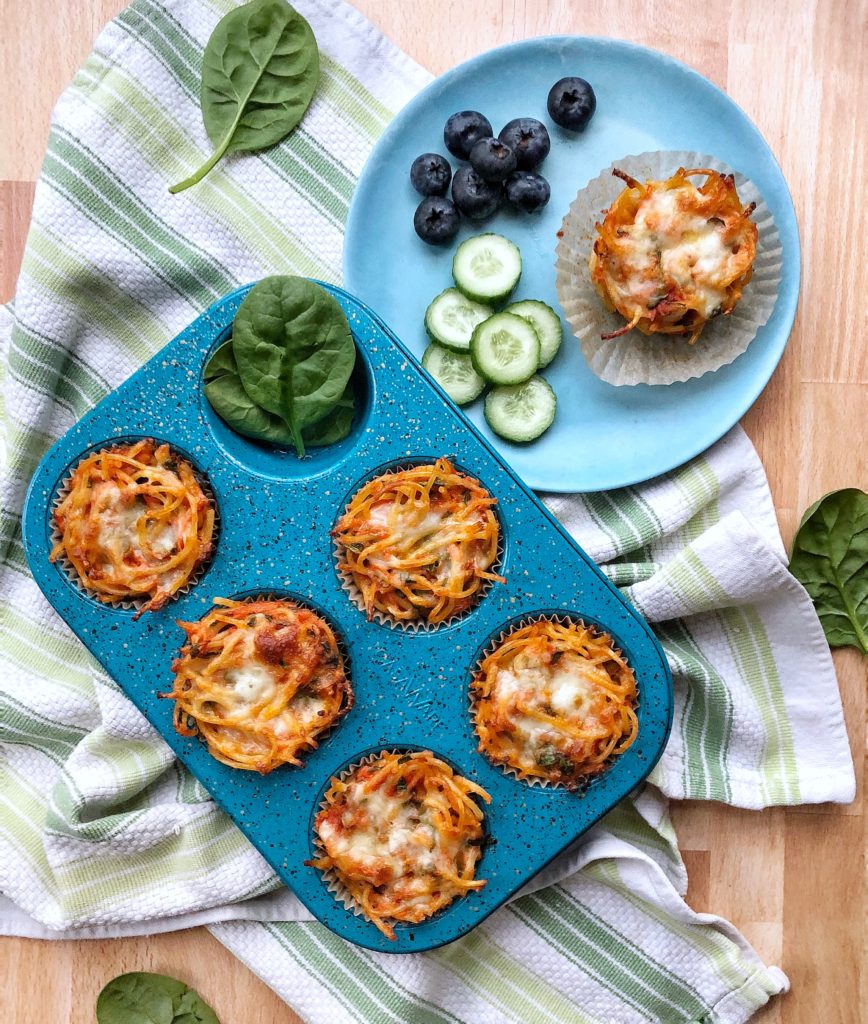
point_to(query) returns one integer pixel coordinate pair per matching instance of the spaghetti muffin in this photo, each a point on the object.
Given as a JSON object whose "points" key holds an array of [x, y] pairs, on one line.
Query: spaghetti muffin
{"points": [[259, 681], [134, 524], [671, 255], [420, 544], [402, 836], [554, 701]]}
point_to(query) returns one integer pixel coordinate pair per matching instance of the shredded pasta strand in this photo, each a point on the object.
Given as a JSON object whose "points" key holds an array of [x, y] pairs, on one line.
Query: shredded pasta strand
{"points": [[258, 681], [671, 255]]}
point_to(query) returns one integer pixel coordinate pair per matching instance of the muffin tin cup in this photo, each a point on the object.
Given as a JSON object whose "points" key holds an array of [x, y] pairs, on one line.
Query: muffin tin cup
{"points": [[330, 878], [564, 619], [131, 604], [248, 597], [355, 595], [636, 358], [410, 688]]}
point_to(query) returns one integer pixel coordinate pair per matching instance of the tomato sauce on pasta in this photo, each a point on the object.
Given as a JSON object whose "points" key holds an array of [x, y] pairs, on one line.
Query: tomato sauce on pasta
{"points": [[258, 681], [671, 255]]}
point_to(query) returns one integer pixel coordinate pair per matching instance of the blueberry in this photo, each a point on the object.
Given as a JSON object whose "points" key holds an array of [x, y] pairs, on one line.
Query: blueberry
{"points": [[528, 191], [492, 159], [430, 174], [528, 139], [475, 197], [436, 220], [463, 129], [572, 103]]}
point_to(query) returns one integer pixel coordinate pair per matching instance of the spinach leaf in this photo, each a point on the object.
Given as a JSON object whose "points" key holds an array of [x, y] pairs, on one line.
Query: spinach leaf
{"points": [[294, 351], [546, 756], [144, 998], [830, 559], [334, 426], [225, 392], [221, 362], [259, 72]]}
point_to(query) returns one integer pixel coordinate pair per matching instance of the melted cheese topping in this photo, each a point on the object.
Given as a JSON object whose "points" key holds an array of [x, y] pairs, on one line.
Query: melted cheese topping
{"points": [[134, 523], [555, 701], [392, 830], [259, 681], [670, 256], [687, 248], [403, 836], [117, 519], [251, 682], [420, 543]]}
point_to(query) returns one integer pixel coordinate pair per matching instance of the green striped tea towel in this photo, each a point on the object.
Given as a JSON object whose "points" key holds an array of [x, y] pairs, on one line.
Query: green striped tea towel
{"points": [[102, 833]]}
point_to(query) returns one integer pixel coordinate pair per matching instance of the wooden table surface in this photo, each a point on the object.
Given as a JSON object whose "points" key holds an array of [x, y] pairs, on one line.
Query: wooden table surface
{"points": [[791, 879]]}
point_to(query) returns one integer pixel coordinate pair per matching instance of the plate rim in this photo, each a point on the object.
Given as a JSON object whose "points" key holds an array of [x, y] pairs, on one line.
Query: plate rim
{"points": [[788, 295]]}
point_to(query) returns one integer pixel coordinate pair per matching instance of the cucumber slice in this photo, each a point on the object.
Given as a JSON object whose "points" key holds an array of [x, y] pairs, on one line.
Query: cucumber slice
{"points": [[451, 317], [487, 267], [521, 412], [454, 372], [505, 349], [547, 325]]}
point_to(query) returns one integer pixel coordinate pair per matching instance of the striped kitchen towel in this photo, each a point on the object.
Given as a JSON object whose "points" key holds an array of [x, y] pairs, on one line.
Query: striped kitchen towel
{"points": [[103, 833]]}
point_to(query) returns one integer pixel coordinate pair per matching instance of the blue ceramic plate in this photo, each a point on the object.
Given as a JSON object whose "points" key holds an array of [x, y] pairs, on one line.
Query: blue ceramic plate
{"points": [[603, 436]]}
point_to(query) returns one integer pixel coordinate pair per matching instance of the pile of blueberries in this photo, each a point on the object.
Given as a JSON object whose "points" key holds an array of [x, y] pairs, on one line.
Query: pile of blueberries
{"points": [[502, 167]]}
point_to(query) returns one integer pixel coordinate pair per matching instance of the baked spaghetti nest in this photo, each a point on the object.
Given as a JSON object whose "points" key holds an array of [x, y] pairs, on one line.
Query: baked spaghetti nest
{"points": [[671, 255], [419, 544], [554, 701], [134, 523], [258, 681], [402, 836]]}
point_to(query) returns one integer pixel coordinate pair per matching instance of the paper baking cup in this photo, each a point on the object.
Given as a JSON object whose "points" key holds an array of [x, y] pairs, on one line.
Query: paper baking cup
{"points": [[130, 603], [348, 583], [330, 878], [563, 619], [637, 358]]}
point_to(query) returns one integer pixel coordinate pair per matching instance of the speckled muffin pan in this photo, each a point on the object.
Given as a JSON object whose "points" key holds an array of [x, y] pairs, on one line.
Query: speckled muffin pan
{"points": [[411, 688]]}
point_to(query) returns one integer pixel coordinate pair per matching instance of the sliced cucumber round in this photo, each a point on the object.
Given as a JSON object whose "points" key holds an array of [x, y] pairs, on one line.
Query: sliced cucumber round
{"points": [[451, 317], [505, 349], [454, 372], [547, 325], [487, 267], [523, 411]]}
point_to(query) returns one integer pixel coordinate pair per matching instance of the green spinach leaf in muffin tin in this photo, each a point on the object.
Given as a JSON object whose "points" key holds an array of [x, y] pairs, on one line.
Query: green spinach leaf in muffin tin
{"points": [[284, 377]]}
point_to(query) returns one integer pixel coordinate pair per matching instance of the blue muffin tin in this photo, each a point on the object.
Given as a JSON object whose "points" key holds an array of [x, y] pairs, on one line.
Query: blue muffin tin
{"points": [[411, 689]]}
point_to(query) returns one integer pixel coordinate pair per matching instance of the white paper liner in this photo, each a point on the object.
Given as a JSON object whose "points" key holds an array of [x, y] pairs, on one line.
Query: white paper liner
{"points": [[330, 878], [348, 583], [564, 619], [132, 603], [637, 358]]}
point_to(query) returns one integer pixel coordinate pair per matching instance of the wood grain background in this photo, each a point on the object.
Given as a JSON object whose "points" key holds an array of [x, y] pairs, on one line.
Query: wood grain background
{"points": [[793, 880]]}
